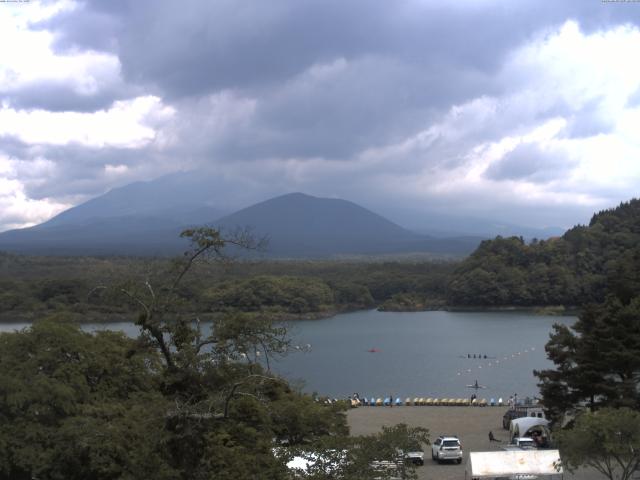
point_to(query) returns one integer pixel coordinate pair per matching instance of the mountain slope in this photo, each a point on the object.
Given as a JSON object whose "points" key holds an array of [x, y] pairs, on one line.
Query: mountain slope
{"points": [[301, 225], [297, 225], [181, 197], [126, 235]]}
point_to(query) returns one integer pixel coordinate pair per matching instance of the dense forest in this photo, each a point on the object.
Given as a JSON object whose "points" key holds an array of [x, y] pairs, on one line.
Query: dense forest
{"points": [[576, 269], [31, 286]]}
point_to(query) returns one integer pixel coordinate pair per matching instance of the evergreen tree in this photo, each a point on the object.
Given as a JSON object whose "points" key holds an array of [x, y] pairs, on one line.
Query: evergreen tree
{"points": [[597, 360]]}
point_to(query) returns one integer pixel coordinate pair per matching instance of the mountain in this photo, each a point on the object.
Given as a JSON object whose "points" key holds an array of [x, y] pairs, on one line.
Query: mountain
{"points": [[297, 225], [300, 225], [181, 197]]}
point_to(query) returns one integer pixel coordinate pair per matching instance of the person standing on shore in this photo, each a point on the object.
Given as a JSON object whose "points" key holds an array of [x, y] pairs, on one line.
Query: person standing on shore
{"points": [[390, 400]]}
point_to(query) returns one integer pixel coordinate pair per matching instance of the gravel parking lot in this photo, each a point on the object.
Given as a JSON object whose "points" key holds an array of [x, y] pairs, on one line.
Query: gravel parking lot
{"points": [[470, 424]]}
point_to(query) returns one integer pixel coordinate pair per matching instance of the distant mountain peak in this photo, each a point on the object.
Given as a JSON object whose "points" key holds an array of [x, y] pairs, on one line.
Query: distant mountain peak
{"points": [[147, 218]]}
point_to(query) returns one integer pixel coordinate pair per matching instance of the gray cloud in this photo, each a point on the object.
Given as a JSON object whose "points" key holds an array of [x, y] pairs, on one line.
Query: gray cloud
{"points": [[58, 96], [198, 47], [90, 26], [405, 62], [589, 120], [529, 162]]}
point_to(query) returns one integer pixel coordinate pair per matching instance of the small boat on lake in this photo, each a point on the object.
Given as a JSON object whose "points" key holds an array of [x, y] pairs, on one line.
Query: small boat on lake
{"points": [[476, 386]]}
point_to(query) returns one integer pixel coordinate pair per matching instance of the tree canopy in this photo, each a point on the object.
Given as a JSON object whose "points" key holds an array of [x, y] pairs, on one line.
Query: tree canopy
{"points": [[597, 360], [607, 440], [179, 402], [578, 268]]}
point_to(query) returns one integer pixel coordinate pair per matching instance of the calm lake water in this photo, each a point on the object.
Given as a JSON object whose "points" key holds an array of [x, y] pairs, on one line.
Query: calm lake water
{"points": [[423, 354]]}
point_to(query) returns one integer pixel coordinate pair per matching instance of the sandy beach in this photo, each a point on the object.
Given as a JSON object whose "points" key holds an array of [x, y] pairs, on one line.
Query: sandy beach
{"points": [[470, 424]]}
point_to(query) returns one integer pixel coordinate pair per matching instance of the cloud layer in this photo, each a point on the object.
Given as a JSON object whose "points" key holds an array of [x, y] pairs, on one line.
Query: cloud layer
{"points": [[518, 111]]}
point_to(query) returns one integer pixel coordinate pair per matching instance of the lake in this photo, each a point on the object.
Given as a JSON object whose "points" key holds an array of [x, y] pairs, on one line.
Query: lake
{"points": [[423, 354], [417, 354]]}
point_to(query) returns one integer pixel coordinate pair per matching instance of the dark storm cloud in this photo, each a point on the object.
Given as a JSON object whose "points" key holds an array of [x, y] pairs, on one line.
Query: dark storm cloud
{"points": [[197, 47], [94, 26], [405, 62], [531, 163], [341, 108], [193, 47]]}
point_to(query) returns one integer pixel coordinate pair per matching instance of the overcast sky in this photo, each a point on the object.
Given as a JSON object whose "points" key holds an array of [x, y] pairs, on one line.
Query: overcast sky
{"points": [[525, 111]]}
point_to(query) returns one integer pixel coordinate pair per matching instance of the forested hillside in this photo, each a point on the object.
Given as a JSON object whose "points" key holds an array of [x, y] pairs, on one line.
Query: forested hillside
{"points": [[578, 268], [32, 286]]}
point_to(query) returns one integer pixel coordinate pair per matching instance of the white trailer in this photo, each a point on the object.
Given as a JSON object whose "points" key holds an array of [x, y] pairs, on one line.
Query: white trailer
{"points": [[514, 465]]}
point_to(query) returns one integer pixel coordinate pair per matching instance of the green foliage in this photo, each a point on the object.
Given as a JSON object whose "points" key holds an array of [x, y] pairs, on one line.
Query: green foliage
{"points": [[31, 287], [576, 269], [291, 294], [377, 456], [607, 440], [177, 403], [597, 360], [78, 406]]}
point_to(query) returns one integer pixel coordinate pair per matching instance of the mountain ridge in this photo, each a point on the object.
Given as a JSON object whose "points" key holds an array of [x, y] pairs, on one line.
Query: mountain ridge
{"points": [[298, 225]]}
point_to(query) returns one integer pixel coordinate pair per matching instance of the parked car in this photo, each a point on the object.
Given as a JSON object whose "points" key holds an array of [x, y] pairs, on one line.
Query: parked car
{"points": [[446, 447], [416, 457]]}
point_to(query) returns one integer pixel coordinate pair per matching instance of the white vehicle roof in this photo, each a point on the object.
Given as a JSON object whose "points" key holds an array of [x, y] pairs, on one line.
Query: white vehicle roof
{"points": [[521, 426], [514, 463]]}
